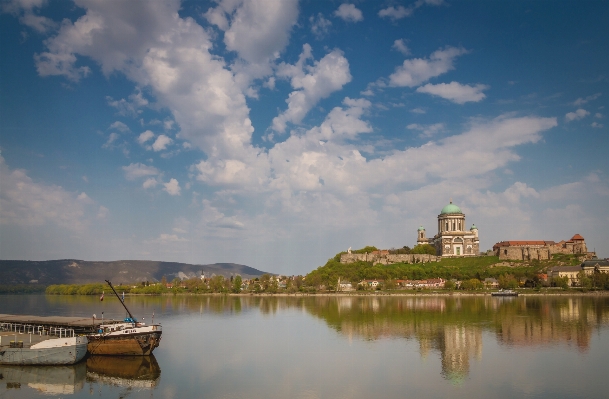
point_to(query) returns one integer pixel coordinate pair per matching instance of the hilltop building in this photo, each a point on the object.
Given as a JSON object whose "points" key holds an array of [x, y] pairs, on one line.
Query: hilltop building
{"points": [[540, 250], [452, 240]]}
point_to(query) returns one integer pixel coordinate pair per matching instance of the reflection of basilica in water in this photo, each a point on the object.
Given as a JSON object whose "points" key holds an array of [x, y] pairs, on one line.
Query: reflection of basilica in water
{"points": [[453, 327]]}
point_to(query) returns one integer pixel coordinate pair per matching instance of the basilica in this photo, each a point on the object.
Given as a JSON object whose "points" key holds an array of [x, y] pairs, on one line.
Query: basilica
{"points": [[452, 239]]}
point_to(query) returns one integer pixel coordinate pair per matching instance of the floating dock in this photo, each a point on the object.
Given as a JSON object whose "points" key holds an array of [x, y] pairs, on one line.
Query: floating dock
{"points": [[80, 325]]}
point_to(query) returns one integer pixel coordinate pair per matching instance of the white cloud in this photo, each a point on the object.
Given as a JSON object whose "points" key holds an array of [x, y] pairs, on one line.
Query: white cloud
{"points": [[24, 202], [418, 110], [169, 238], [579, 114], [312, 83], [349, 13], [597, 125], [256, 29], [145, 136], [131, 106], [172, 187], [319, 26], [111, 139], [418, 70], [120, 126], [400, 12], [161, 143], [84, 198], [455, 92], [151, 182], [394, 13], [400, 46], [102, 212], [598, 115], [427, 130], [137, 170], [582, 101]]}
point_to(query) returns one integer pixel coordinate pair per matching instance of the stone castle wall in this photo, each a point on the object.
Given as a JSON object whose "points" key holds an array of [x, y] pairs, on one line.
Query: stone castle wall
{"points": [[386, 259], [539, 252]]}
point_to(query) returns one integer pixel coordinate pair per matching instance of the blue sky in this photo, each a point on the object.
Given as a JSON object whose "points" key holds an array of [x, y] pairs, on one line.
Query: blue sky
{"points": [[276, 133]]}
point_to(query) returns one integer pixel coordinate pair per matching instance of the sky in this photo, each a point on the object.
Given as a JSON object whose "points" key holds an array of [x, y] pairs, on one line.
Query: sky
{"points": [[277, 133]]}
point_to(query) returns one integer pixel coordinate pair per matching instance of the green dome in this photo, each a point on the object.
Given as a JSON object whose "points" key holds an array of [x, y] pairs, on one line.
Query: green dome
{"points": [[474, 227], [421, 228], [450, 208]]}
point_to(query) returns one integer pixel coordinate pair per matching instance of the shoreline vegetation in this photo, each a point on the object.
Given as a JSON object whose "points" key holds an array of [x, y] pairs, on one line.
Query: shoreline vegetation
{"points": [[460, 276]]}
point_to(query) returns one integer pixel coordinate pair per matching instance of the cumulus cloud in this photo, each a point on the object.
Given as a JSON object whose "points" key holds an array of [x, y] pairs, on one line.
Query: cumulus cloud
{"points": [[400, 46], [120, 126], [26, 10], [161, 143], [172, 187], [455, 92], [25, 202], [579, 114], [138, 170], [312, 83], [415, 71], [132, 106], [145, 136], [349, 13], [255, 29], [151, 182], [319, 26]]}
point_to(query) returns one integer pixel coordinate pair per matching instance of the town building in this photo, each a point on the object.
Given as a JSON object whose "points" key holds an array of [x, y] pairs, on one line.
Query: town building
{"points": [[452, 239]]}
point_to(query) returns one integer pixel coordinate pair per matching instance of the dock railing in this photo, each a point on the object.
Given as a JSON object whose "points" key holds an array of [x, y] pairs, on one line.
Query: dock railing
{"points": [[21, 328]]}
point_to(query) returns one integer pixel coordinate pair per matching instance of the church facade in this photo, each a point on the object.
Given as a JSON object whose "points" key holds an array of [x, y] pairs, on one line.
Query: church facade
{"points": [[452, 239]]}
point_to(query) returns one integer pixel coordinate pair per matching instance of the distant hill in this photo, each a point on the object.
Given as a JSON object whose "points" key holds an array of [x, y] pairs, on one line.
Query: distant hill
{"points": [[73, 271]]}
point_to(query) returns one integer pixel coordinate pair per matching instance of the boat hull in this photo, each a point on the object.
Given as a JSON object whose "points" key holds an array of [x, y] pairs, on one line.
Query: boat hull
{"points": [[50, 352], [130, 344]]}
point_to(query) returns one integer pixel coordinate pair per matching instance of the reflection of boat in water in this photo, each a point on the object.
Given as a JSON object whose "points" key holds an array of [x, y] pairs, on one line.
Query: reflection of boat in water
{"points": [[504, 293], [124, 371], [127, 338], [50, 380], [30, 345]]}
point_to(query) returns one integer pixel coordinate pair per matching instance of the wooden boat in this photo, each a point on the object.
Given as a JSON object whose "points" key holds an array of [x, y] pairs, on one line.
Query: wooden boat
{"points": [[27, 345], [126, 338], [504, 293]]}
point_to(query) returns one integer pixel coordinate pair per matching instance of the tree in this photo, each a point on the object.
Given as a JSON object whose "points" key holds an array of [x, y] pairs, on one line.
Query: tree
{"points": [[164, 281], [507, 281], [237, 284], [449, 285], [562, 282], [584, 280], [471, 284], [424, 249]]}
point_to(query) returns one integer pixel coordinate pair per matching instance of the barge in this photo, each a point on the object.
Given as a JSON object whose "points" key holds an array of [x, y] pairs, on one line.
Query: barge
{"points": [[504, 293], [33, 345], [126, 338]]}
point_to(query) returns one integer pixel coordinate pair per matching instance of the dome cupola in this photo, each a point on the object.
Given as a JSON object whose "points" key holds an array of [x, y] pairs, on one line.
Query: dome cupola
{"points": [[450, 208]]}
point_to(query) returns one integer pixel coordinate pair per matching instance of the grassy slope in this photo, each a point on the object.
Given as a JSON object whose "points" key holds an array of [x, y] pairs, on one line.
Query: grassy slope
{"points": [[459, 268]]}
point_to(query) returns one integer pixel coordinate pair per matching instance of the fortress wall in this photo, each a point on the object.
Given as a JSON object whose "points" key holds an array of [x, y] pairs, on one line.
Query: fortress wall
{"points": [[388, 259]]}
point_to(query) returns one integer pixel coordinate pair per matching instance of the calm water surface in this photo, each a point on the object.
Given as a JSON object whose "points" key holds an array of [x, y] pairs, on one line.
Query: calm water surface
{"points": [[335, 347]]}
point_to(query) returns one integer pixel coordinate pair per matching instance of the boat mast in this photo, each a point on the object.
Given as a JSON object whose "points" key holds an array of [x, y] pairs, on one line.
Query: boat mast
{"points": [[122, 303]]}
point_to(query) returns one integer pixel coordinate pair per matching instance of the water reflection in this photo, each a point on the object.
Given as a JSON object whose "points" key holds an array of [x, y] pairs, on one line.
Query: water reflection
{"points": [[122, 371], [49, 380], [454, 326]]}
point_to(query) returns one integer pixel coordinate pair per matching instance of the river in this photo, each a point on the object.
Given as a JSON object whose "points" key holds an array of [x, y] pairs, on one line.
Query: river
{"points": [[335, 347]]}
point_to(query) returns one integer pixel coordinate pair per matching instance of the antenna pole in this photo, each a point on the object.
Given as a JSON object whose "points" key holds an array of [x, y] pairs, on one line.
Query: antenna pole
{"points": [[122, 303]]}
